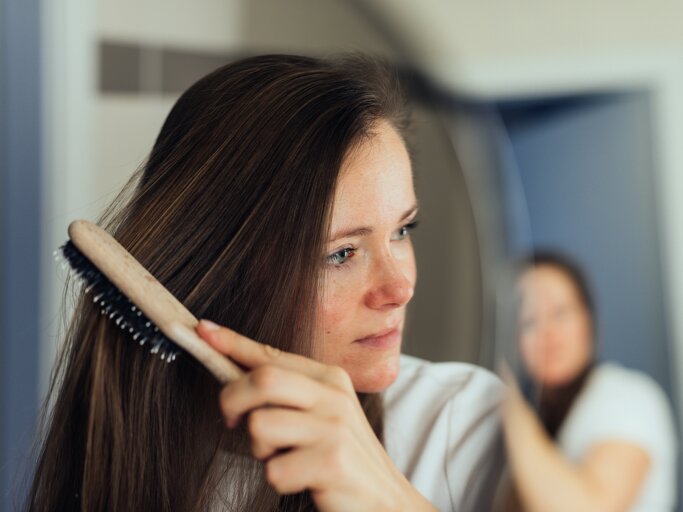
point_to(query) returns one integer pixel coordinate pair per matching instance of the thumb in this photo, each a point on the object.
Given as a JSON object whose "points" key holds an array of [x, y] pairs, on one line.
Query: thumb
{"points": [[509, 379], [505, 372]]}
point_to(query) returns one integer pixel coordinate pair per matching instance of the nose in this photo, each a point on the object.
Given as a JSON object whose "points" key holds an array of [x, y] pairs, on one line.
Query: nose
{"points": [[391, 287], [546, 334]]}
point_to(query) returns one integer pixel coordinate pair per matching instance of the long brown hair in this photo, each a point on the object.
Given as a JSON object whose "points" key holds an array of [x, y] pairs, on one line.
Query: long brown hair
{"points": [[230, 212]]}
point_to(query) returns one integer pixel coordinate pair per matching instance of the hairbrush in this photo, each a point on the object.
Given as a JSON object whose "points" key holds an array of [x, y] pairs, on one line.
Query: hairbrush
{"points": [[136, 301]]}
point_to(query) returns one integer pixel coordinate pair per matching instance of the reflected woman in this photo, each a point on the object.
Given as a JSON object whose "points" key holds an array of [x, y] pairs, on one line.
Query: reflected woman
{"points": [[603, 437]]}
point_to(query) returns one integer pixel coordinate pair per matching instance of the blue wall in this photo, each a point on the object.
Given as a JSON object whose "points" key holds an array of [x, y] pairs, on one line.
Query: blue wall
{"points": [[20, 231], [587, 173]]}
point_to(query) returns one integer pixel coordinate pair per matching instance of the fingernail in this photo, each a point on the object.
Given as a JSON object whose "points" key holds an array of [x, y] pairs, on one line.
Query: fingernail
{"points": [[209, 325]]}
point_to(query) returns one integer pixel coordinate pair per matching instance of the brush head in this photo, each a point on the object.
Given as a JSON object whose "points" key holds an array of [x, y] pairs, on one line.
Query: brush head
{"points": [[137, 302], [116, 305]]}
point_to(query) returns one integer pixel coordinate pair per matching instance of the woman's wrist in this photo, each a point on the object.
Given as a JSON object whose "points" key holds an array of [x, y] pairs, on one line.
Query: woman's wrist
{"points": [[418, 502], [411, 499]]}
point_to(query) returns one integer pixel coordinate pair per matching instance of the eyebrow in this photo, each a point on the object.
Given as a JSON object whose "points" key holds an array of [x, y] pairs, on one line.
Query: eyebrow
{"points": [[366, 230]]}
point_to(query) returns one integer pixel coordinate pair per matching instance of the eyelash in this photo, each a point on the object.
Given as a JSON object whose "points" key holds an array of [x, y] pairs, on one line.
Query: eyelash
{"points": [[348, 252]]}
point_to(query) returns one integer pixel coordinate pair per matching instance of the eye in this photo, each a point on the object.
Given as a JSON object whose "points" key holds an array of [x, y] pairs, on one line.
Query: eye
{"points": [[404, 231], [562, 313], [528, 324], [342, 256]]}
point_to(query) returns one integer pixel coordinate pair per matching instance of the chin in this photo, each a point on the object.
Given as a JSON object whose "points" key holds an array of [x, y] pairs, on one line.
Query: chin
{"points": [[557, 378], [377, 377]]}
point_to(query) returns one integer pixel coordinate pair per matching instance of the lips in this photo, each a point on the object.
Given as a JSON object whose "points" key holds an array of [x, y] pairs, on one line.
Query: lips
{"points": [[377, 334], [382, 339]]}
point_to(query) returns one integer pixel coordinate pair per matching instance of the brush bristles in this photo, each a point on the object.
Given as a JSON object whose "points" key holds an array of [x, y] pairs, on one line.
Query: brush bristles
{"points": [[116, 305]]}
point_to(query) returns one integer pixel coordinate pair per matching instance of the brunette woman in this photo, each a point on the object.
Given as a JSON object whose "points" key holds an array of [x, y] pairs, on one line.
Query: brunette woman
{"points": [[277, 202]]}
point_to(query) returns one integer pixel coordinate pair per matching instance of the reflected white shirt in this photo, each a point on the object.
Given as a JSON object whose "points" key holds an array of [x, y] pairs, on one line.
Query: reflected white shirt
{"points": [[617, 403]]}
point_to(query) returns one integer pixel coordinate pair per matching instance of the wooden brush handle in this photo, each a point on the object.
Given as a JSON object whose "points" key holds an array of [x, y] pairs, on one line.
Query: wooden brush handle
{"points": [[149, 295]]}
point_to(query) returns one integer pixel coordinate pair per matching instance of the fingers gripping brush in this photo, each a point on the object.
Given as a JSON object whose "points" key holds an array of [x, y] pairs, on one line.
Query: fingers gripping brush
{"points": [[136, 301]]}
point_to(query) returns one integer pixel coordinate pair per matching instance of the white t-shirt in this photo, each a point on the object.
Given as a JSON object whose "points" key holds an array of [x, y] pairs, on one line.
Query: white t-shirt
{"points": [[621, 404], [442, 429]]}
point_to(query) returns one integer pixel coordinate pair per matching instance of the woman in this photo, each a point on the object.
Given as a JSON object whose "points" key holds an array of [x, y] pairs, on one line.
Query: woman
{"points": [[277, 201], [604, 437]]}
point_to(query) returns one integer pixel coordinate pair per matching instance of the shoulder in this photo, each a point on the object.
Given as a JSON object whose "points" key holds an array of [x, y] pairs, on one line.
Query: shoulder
{"points": [[442, 429], [622, 403], [614, 374], [424, 389], [621, 389], [444, 380], [634, 380]]}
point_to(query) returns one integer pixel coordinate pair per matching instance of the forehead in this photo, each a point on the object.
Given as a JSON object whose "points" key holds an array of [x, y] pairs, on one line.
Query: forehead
{"points": [[375, 180], [546, 284]]}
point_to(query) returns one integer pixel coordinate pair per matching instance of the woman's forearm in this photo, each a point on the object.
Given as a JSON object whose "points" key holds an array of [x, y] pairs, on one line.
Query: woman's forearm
{"points": [[546, 481]]}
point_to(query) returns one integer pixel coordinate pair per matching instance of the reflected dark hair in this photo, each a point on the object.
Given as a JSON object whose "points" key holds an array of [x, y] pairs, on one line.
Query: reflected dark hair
{"points": [[567, 265], [553, 405], [231, 213]]}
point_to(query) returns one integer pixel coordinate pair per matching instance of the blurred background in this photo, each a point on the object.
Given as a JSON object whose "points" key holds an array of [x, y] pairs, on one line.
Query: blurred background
{"points": [[536, 124]]}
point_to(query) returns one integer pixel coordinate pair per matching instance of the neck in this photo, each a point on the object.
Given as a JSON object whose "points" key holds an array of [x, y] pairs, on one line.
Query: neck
{"points": [[555, 402]]}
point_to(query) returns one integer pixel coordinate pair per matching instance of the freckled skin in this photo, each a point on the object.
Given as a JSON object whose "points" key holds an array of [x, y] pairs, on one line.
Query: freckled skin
{"points": [[369, 292], [555, 327]]}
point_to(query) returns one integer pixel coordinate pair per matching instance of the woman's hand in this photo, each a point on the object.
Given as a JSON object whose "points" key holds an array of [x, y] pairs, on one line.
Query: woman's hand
{"points": [[518, 416], [306, 423]]}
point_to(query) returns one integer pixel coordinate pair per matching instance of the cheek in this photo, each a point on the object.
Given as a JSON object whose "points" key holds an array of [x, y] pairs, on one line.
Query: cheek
{"points": [[333, 313], [582, 345], [530, 351], [337, 306]]}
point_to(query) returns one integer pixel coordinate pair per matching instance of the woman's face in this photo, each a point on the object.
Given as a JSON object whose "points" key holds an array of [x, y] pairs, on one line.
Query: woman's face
{"points": [[370, 265], [554, 325]]}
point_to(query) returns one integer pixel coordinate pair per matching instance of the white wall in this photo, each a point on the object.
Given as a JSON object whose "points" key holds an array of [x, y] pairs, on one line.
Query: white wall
{"points": [[207, 25], [69, 93], [94, 142], [200, 24], [447, 33]]}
